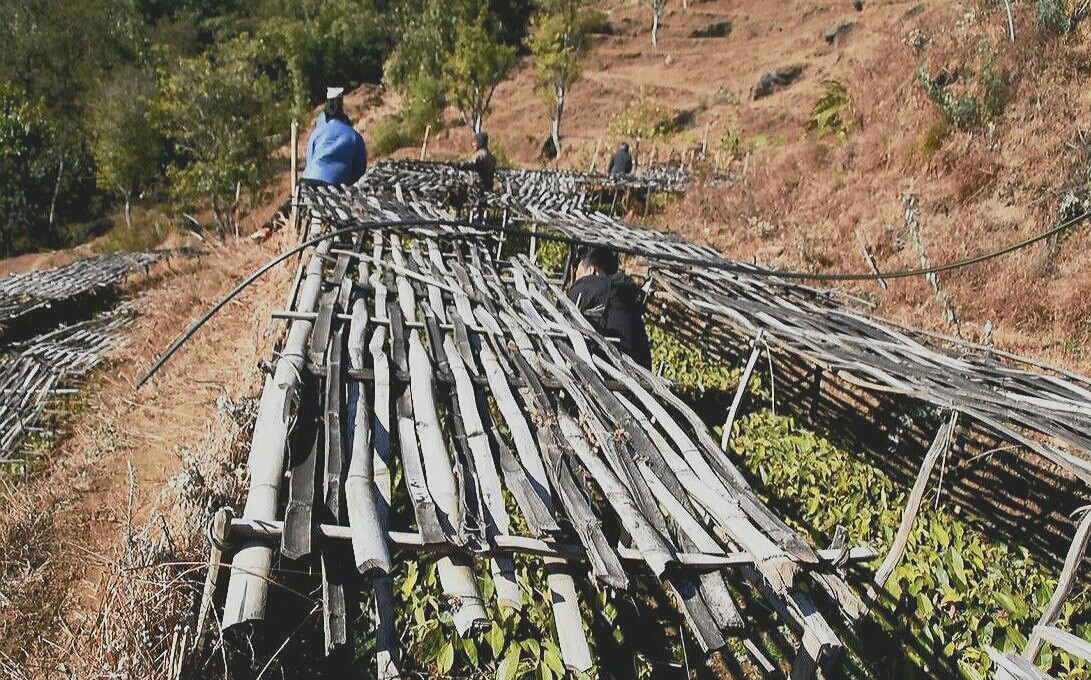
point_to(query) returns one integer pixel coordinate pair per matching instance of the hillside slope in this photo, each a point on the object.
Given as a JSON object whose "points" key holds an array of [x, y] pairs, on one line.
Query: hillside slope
{"points": [[802, 198]]}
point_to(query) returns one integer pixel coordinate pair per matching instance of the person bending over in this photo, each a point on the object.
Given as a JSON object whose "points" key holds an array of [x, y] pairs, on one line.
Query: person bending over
{"points": [[612, 303], [335, 151], [621, 163]]}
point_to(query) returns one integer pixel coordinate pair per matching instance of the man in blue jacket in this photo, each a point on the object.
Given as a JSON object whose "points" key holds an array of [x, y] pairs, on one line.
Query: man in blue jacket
{"points": [[335, 150]]}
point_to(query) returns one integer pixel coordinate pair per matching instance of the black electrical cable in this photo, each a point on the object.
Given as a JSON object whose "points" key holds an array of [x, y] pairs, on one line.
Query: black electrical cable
{"points": [[722, 265], [181, 339], [753, 270]]}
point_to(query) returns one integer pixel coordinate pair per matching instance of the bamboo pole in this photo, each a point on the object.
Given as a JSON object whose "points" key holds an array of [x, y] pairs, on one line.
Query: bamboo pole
{"points": [[1065, 582], [368, 539], [424, 145], [266, 531], [455, 573], [503, 569], [744, 381], [249, 582]]}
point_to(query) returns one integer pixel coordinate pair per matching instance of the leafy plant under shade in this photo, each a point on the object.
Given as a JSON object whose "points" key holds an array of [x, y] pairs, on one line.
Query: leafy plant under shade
{"points": [[955, 592]]}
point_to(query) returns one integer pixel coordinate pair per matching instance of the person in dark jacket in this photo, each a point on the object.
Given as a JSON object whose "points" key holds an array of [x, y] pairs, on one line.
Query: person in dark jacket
{"points": [[621, 163], [335, 151], [612, 303], [482, 163]]}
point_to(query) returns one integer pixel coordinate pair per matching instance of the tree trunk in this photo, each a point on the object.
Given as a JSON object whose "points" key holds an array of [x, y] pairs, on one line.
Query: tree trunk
{"points": [[655, 27], [128, 213], [235, 209], [56, 190], [218, 216], [558, 111]]}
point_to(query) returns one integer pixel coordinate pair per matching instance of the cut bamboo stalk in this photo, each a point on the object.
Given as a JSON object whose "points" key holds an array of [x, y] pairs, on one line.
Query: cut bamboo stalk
{"points": [[248, 585], [528, 453], [1065, 582], [455, 574], [604, 561], [744, 381], [334, 620], [424, 507], [299, 511], [368, 537], [503, 569], [657, 553], [219, 534], [334, 449]]}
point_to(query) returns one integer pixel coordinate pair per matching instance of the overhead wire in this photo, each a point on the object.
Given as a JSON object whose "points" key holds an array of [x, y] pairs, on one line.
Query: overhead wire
{"points": [[754, 270], [345, 227]]}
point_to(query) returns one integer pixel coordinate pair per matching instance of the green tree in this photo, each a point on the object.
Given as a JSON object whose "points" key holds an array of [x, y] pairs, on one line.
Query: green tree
{"points": [[476, 65], [425, 38], [326, 43], [558, 39], [126, 147], [221, 112], [25, 185]]}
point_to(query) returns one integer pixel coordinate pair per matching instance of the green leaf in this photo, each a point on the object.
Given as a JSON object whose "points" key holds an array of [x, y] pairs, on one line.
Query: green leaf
{"points": [[969, 672], [495, 638], [551, 657], [469, 648], [410, 580], [446, 658], [940, 535], [532, 648], [510, 665]]}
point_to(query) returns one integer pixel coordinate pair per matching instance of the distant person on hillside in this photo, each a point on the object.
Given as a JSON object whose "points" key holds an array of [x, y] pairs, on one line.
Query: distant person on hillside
{"points": [[335, 151], [612, 303], [482, 163], [621, 163]]}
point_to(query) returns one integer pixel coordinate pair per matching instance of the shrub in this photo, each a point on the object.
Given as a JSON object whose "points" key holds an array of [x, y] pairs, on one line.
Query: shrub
{"points": [[1051, 16], [730, 142], [644, 120], [930, 141], [388, 135], [832, 113], [976, 101]]}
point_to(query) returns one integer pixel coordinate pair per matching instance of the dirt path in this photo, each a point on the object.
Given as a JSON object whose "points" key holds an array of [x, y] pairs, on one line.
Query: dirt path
{"points": [[61, 532]]}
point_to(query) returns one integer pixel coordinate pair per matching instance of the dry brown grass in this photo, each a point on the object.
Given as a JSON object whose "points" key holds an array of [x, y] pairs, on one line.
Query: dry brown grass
{"points": [[96, 557]]}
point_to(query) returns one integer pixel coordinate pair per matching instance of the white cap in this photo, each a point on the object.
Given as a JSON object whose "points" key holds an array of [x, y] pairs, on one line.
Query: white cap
{"points": [[334, 92]]}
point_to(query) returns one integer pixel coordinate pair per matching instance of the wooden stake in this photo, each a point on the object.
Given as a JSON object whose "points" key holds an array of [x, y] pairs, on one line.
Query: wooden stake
{"points": [[295, 157], [743, 382], [912, 506], [868, 258], [424, 145], [595, 156]]}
